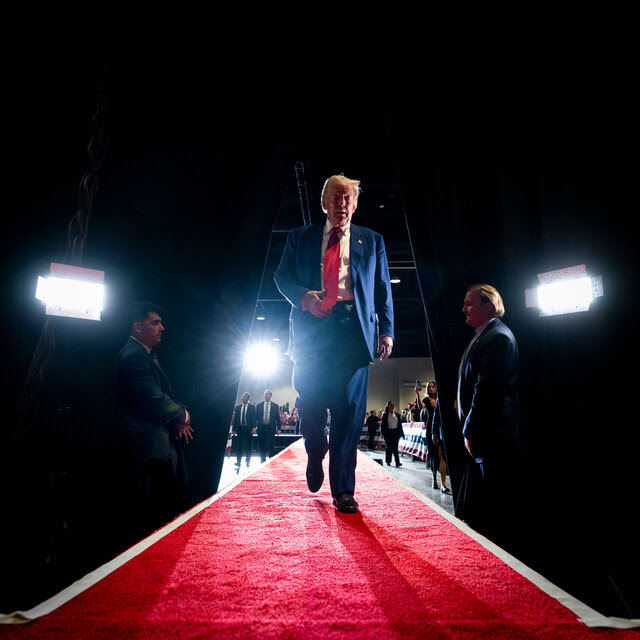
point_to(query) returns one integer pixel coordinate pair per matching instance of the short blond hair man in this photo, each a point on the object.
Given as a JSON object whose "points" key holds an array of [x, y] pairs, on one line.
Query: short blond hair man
{"points": [[341, 319]]}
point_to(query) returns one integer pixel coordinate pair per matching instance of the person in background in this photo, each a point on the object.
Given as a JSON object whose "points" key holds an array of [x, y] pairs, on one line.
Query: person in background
{"points": [[392, 433], [372, 429], [436, 461], [414, 411], [243, 428], [267, 425]]}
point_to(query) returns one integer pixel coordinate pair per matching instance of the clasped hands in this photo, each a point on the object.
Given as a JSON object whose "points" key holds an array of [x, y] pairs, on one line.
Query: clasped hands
{"points": [[312, 302]]}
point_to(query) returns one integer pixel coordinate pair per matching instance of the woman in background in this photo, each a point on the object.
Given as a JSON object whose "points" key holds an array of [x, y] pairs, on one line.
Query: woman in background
{"points": [[436, 460]]}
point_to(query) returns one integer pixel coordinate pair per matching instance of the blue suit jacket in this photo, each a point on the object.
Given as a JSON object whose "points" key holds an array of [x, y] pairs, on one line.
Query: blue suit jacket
{"points": [[488, 392], [300, 271]]}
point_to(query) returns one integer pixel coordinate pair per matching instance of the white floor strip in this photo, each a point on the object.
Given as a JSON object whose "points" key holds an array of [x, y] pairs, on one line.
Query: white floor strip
{"points": [[585, 614]]}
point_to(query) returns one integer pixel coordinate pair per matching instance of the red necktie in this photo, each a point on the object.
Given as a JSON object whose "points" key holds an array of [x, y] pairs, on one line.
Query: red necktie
{"points": [[331, 268]]}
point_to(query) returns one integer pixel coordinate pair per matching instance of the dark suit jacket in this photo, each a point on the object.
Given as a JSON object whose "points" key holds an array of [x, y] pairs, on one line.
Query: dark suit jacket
{"points": [[299, 272], [427, 414], [372, 423], [488, 392], [274, 415], [384, 425], [250, 418], [147, 407]]}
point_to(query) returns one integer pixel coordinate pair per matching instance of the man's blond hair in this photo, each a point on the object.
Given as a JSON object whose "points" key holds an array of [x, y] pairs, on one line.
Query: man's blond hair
{"points": [[342, 181], [489, 294]]}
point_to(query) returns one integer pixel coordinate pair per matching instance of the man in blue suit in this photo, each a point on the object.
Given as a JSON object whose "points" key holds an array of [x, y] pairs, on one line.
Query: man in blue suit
{"points": [[339, 322]]}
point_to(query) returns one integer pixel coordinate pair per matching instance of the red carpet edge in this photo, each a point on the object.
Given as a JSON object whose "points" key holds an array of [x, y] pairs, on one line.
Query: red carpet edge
{"points": [[585, 614], [93, 577]]}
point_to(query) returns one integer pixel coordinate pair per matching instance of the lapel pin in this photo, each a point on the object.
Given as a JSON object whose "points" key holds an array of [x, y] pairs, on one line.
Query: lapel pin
{"points": [[359, 241]]}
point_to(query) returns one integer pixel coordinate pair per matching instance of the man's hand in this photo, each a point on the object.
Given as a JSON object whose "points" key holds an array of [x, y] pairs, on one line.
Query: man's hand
{"points": [[185, 430], [385, 346], [312, 302]]}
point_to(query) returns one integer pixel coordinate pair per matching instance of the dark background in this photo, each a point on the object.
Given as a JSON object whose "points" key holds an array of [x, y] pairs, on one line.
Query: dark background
{"points": [[501, 143]]}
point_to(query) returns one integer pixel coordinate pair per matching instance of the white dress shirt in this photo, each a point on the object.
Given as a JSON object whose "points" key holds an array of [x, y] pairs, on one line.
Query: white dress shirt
{"points": [[345, 285]]}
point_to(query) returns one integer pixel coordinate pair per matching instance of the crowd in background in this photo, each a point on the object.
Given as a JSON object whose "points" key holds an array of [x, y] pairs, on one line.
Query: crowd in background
{"points": [[388, 423]]}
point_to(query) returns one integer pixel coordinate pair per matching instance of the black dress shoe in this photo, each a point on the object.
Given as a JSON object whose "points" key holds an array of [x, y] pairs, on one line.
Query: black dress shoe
{"points": [[315, 475], [345, 503], [399, 464]]}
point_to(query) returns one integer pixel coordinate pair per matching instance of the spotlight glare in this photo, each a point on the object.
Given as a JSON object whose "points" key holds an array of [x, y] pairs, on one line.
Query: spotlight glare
{"points": [[562, 291], [565, 296], [73, 292], [261, 359]]}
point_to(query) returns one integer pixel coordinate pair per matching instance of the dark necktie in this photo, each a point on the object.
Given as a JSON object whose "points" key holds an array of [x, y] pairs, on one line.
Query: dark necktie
{"points": [[463, 362], [331, 269]]}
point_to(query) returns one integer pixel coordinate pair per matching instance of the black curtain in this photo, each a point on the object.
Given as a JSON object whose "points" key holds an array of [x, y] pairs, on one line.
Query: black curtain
{"points": [[188, 192], [500, 200]]}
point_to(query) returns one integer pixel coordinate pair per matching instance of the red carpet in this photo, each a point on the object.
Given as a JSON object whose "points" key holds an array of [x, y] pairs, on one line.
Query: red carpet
{"points": [[267, 559]]}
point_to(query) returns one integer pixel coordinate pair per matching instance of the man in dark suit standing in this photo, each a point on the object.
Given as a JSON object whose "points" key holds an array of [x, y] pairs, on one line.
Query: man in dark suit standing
{"points": [[154, 425], [244, 426], [489, 412], [267, 425], [336, 277]]}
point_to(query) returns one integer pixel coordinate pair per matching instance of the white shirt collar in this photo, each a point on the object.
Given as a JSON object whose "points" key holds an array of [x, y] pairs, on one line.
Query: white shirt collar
{"points": [[328, 226], [482, 327]]}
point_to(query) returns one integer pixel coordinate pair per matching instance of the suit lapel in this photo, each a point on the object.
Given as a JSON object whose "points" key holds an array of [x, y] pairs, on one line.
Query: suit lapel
{"points": [[312, 257], [483, 336], [356, 251], [154, 360]]}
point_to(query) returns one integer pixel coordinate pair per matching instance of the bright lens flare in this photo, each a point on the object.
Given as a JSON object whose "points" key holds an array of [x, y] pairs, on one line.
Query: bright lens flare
{"points": [[72, 298], [565, 296], [261, 359]]}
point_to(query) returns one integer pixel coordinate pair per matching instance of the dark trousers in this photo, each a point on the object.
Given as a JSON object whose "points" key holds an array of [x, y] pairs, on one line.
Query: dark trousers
{"points": [[334, 376], [372, 438], [159, 492], [491, 499], [391, 439], [266, 441], [244, 443]]}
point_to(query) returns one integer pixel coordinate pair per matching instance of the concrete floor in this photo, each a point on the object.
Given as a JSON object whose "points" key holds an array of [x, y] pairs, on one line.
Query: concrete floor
{"points": [[413, 473]]}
